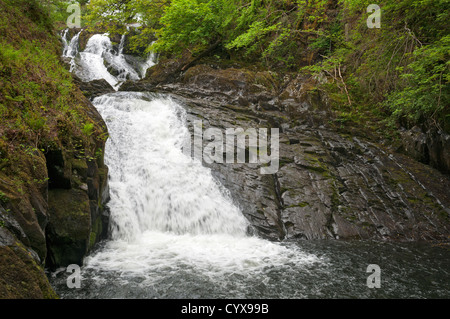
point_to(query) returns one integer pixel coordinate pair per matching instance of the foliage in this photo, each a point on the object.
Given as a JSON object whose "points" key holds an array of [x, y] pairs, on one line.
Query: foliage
{"points": [[195, 24], [88, 129], [400, 71], [40, 107], [425, 91], [115, 16], [271, 32]]}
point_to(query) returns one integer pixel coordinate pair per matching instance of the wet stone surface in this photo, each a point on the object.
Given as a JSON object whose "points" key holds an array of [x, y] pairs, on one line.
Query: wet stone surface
{"points": [[329, 185]]}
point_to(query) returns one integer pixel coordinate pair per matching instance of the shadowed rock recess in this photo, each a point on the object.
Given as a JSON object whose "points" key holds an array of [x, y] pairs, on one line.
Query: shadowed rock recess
{"points": [[331, 184]]}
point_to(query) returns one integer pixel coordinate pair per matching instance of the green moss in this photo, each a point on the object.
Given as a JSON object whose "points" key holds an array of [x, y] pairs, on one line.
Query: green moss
{"points": [[3, 198], [302, 204], [79, 164], [285, 161], [242, 118], [70, 213], [335, 197], [351, 218], [317, 164], [92, 240], [21, 277], [97, 228]]}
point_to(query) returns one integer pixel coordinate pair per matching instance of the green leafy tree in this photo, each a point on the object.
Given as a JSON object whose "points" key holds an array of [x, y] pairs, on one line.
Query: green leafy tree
{"points": [[425, 92], [194, 24]]}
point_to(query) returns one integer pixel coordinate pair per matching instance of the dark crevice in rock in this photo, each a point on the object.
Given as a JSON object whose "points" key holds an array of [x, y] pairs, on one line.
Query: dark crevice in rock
{"points": [[431, 147], [58, 176]]}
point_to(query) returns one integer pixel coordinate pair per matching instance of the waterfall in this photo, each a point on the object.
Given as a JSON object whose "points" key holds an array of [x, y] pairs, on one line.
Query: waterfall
{"points": [[71, 48], [155, 187], [101, 60], [65, 41], [149, 62], [122, 44]]}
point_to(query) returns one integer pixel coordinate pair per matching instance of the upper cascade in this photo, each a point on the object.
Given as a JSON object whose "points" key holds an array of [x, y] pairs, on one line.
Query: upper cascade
{"points": [[101, 59]]}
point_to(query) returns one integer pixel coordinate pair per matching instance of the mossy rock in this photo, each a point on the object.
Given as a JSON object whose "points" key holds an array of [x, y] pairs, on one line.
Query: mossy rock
{"points": [[69, 228], [21, 277], [231, 79]]}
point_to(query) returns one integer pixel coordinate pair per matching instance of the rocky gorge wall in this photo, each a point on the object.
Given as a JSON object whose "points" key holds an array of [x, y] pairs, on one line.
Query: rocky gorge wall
{"points": [[429, 146], [53, 223], [333, 183]]}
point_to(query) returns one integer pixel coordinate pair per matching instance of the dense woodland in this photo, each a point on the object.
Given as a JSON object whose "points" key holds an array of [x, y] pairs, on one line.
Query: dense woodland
{"points": [[398, 72]]}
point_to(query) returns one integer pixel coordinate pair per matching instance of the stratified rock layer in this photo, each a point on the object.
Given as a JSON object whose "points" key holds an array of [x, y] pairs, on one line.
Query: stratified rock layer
{"points": [[330, 184]]}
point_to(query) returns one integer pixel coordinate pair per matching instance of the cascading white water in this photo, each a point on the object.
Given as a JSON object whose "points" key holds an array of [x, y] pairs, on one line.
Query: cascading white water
{"points": [[93, 61], [70, 48], [155, 187], [149, 62], [65, 41], [122, 44], [101, 60]]}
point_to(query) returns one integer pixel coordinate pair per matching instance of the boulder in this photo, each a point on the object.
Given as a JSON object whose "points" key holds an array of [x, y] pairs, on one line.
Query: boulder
{"points": [[69, 227], [93, 88], [439, 149], [21, 275]]}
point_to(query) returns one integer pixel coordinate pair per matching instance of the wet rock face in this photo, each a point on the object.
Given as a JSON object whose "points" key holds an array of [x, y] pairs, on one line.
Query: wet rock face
{"points": [[233, 86], [344, 187], [77, 193], [329, 185], [76, 218], [19, 264], [94, 88]]}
